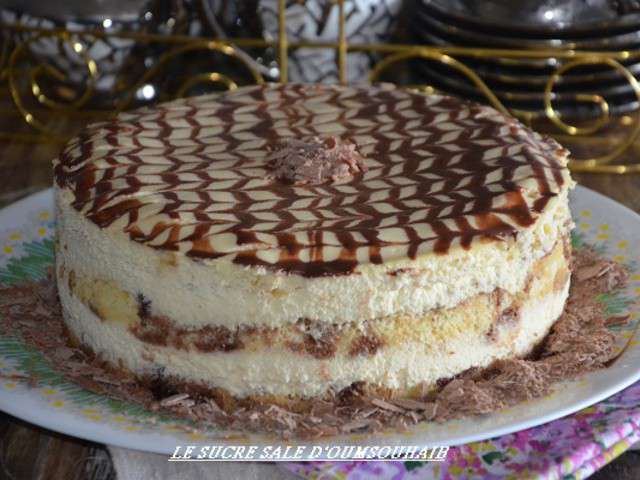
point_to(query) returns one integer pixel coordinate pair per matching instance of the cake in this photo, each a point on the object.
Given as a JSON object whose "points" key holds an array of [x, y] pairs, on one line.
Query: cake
{"points": [[285, 243]]}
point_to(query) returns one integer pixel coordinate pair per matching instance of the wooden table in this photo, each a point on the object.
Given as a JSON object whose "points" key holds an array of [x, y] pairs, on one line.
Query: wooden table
{"points": [[29, 452]]}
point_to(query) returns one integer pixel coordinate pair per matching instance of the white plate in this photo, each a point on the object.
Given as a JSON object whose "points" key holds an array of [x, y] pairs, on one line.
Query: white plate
{"points": [[26, 230]]}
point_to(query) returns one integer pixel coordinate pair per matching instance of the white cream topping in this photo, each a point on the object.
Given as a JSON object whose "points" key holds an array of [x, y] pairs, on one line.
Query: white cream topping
{"points": [[196, 176]]}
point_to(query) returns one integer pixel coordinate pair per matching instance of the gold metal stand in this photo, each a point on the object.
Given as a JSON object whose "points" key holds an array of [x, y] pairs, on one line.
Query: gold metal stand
{"points": [[23, 73]]}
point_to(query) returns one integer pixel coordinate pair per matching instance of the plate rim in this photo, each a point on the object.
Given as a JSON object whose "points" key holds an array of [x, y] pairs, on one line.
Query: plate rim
{"points": [[71, 424]]}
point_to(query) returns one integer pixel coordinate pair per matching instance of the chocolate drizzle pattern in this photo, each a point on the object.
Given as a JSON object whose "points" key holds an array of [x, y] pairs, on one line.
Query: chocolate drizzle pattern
{"points": [[192, 176]]}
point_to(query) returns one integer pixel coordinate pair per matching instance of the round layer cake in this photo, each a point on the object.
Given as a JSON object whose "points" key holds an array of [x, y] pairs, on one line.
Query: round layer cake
{"points": [[287, 242]]}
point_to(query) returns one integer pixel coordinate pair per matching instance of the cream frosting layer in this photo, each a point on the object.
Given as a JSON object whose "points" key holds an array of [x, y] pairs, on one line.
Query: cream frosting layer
{"points": [[279, 372], [220, 292]]}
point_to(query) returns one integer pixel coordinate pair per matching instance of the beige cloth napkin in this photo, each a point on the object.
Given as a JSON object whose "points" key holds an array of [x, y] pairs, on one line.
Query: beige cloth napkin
{"points": [[135, 465]]}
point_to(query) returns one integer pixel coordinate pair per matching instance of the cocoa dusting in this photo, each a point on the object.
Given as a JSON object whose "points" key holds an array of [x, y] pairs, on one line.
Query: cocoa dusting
{"points": [[365, 345], [318, 340], [508, 316], [158, 330], [72, 280], [400, 271], [319, 348], [144, 306], [154, 330], [316, 160], [579, 342], [212, 339]]}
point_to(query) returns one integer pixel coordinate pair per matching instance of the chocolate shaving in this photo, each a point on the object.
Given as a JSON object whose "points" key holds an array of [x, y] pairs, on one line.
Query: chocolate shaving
{"points": [[579, 342], [316, 160], [409, 404], [591, 267], [356, 425], [617, 321], [592, 271], [378, 402], [176, 399]]}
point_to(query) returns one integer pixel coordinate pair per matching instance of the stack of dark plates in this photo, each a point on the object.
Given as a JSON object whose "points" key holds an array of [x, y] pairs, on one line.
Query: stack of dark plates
{"points": [[593, 25]]}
